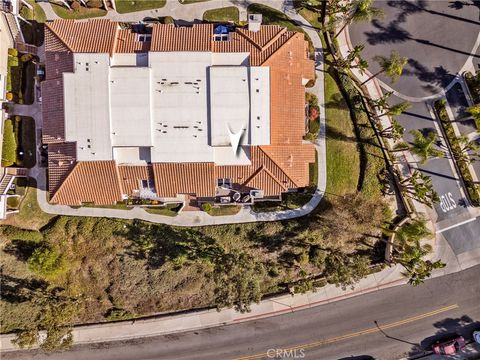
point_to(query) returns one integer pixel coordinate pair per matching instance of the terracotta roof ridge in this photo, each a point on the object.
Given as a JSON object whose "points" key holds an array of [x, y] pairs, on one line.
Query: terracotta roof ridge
{"points": [[119, 179], [278, 49], [52, 199], [261, 169], [273, 39], [56, 35], [276, 164]]}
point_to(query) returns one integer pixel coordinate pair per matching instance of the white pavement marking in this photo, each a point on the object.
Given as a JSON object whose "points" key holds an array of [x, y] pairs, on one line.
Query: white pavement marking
{"points": [[456, 225]]}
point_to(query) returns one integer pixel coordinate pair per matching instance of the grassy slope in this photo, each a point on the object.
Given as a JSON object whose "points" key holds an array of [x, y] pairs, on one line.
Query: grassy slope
{"points": [[37, 13], [343, 161], [225, 14], [82, 13], [125, 6]]}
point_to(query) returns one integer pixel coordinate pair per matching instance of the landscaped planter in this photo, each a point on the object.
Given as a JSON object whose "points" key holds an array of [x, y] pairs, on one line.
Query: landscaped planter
{"points": [[463, 168]]}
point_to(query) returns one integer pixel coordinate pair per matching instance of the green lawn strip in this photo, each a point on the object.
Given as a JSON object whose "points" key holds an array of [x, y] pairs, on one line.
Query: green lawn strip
{"points": [[82, 13], [14, 76], [271, 16], [313, 17], [160, 211], [343, 160], [127, 6], [225, 14], [472, 188], [36, 13], [30, 215], [221, 210]]}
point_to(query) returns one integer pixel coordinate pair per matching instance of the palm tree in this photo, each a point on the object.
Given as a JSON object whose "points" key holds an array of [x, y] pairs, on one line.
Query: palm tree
{"points": [[392, 66], [395, 131], [354, 59], [420, 187], [467, 150], [423, 146], [392, 110], [359, 10]]}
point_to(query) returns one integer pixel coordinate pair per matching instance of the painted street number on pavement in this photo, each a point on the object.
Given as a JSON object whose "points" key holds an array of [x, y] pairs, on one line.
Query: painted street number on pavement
{"points": [[447, 202]]}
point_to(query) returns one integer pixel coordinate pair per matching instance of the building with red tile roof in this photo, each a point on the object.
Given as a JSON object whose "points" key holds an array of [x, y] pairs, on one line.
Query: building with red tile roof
{"points": [[160, 111]]}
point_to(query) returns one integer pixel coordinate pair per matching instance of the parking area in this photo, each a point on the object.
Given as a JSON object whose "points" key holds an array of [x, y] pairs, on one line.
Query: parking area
{"points": [[437, 36]]}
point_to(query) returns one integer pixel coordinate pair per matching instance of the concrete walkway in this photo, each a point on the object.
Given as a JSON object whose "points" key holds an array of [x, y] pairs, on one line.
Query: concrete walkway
{"points": [[200, 218]]}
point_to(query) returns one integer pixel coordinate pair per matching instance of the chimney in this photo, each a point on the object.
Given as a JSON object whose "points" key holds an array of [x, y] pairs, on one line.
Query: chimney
{"points": [[254, 22]]}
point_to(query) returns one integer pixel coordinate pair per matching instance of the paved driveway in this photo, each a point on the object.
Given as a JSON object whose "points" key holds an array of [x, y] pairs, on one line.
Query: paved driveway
{"points": [[437, 37]]}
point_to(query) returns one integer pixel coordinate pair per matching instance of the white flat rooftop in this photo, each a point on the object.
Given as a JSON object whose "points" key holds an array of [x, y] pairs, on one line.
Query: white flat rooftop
{"points": [[168, 107]]}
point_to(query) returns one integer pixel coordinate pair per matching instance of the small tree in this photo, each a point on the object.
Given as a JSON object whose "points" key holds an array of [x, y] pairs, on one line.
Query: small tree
{"points": [[423, 146], [238, 281], [46, 262], [392, 66], [346, 270]]}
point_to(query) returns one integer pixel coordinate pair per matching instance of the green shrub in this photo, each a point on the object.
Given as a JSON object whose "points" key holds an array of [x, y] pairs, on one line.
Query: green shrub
{"points": [[116, 314], [46, 262], [207, 207], [95, 4], [9, 148], [168, 20], [13, 52], [12, 202], [26, 57], [14, 233]]}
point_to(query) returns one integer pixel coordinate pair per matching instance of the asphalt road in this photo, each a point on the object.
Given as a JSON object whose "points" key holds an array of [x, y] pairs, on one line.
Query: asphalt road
{"points": [[436, 36], [409, 319], [464, 238]]}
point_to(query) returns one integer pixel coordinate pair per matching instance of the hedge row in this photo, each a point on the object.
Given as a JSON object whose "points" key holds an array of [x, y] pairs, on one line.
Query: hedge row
{"points": [[472, 188], [9, 148]]}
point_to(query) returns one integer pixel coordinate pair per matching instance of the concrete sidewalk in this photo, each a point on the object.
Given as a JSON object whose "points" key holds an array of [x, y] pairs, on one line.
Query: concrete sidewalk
{"points": [[200, 218]]}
